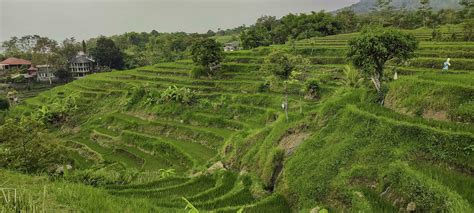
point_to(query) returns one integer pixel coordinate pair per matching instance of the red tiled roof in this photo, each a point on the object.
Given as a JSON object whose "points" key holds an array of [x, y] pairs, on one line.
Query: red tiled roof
{"points": [[15, 61]]}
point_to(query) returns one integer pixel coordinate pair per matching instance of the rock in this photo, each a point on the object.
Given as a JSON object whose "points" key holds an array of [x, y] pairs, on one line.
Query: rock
{"points": [[196, 174], [216, 167], [315, 209], [411, 207]]}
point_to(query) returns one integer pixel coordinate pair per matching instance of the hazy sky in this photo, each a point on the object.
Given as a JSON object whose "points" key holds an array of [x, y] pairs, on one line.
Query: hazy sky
{"points": [[84, 19]]}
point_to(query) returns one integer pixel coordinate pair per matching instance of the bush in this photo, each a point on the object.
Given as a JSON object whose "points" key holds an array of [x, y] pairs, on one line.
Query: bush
{"points": [[4, 104], [198, 72], [26, 146], [178, 95], [312, 89]]}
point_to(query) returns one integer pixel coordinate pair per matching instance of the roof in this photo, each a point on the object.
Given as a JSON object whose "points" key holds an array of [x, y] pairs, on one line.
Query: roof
{"points": [[15, 61], [32, 68], [81, 58]]}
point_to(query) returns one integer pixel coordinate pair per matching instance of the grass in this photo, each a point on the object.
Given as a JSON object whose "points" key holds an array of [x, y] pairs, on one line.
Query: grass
{"points": [[418, 147]]}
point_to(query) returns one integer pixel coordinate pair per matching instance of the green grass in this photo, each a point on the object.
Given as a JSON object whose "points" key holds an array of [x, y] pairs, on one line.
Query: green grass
{"points": [[418, 147]]}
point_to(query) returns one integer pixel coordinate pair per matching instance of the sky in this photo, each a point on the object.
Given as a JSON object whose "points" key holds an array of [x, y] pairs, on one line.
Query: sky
{"points": [[84, 19]]}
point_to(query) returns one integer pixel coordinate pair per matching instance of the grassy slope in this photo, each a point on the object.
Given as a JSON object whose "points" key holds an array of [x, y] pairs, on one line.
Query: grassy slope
{"points": [[330, 154]]}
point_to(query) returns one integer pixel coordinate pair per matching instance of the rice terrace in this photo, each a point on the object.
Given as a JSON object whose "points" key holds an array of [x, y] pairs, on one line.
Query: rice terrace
{"points": [[365, 108]]}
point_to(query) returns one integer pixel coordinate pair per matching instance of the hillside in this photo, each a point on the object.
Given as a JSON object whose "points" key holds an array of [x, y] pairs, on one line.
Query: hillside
{"points": [[339, 152], [365, 6]]}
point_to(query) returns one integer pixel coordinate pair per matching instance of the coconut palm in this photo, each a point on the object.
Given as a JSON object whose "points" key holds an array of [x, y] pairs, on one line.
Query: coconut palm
{"points": [[352, 77]]}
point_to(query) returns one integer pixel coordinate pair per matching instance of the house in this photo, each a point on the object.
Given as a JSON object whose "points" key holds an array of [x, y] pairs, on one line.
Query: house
{"points": [[81, 65], [46, 73], [14, 63], [231, 46], [31, 73]]}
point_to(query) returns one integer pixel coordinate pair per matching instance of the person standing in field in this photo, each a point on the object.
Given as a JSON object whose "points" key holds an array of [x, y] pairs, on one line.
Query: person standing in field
{"points": [[446, 65]]}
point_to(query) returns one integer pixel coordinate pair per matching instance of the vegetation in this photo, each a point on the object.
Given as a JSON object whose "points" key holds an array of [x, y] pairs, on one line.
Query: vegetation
{"points": [[375, 47], [107, 54], [207, 53], [157, 139]]}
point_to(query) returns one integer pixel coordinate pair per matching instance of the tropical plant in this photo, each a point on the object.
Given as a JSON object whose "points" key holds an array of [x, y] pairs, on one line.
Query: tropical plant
{"points": [[189, 206], [164, 173], [178, 95], [352, 77]]}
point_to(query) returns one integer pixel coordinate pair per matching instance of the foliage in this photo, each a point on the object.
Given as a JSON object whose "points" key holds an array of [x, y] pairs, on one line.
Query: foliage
{"points": [[374, 47], [26, 146], [101, 177], [165, 173], [107, 53], [207, 53], [176, 94], [255, 37], [63, 74], [352, 77], [4, 104], [199, 71], [468, 28], [190, 207], [312, 89], [58, 111]]}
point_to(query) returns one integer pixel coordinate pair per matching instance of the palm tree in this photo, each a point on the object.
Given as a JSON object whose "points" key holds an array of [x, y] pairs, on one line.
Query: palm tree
{"points": [[352, 77]]}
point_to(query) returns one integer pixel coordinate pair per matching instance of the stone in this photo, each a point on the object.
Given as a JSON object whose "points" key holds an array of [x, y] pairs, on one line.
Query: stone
{"points": [[216, 167], [411, 207], [315, 209]]}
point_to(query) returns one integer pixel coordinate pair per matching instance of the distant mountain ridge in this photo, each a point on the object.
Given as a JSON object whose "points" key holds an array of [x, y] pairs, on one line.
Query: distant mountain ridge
{"points": [[365, 6]]}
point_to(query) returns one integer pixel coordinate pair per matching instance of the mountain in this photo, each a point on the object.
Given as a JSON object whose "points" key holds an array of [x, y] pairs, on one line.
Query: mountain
{"points": [[365, 6]]}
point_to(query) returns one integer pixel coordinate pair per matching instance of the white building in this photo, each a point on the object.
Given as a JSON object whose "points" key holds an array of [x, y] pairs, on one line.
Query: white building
{"points": [[81, 65]]}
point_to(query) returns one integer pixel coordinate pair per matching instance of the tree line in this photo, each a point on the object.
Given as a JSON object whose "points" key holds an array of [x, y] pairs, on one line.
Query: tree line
{"points": [[269, 30]]}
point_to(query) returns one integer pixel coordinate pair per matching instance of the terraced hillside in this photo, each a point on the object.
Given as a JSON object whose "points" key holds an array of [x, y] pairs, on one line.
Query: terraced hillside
{"points": [[338, 152]]}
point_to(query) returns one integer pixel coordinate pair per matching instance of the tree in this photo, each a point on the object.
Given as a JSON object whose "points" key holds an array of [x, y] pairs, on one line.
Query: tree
{"points": [[348, 20], [425, 11], [255, 37], [107, 54], [468, 9], [374, 47], [63, 75], [84, 47], [468, 28], [210, 33], [207, 53], [285, 69], [26, 146]]}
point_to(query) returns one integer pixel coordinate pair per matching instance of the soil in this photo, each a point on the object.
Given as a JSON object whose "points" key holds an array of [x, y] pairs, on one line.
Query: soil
{"points": [[436, 115], [292, 140]]}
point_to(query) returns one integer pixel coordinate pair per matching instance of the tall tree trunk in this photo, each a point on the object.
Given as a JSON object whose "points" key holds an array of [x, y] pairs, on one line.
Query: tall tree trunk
{"points": [[377, 80], [285, 103]]}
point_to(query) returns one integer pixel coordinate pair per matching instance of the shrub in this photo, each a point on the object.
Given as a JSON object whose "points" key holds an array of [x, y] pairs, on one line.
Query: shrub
{"points": [[198, 72], [58, 111], [4, 104], [312, 89], [135, 96], [178, 95], [26, 146]]}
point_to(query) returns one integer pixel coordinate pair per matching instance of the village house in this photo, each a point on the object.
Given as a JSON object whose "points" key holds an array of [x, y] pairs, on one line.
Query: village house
{"points": [[81, 65], [46, 73], [14, 63], [231, 46]]}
